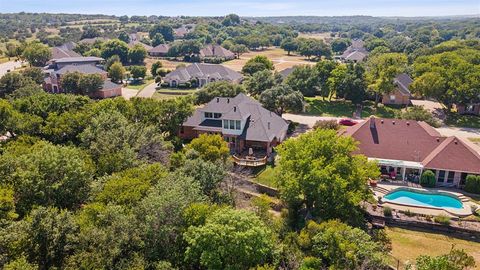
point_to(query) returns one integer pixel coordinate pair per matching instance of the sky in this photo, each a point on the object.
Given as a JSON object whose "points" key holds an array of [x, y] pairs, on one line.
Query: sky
{"points": [[406, 8]]}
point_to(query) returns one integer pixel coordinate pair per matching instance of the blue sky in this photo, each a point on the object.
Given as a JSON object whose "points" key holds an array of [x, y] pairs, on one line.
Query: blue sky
{"points": [[248, 7]]}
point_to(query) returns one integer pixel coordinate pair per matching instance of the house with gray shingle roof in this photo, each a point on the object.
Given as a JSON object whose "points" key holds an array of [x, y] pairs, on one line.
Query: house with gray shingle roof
{"points": [[356, 52], [199, 74], [401, 94], [214, 51], [242, 122], [159, 50]]}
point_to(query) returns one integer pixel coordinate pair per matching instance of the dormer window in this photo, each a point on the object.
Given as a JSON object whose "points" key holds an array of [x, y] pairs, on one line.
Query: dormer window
{"points": [[217, 115], [208, 115]]}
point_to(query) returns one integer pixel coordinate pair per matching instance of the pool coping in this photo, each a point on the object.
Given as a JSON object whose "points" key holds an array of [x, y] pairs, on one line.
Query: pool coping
{"points": [[461, 212]]}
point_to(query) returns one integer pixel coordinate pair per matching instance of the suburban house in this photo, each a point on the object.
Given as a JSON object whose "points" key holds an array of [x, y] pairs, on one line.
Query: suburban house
{"points": [[356, 52], [63, 51], [251, 130], [159, 51], [180, 32], [84, 65], [135, 42], [199, 74], [406, 148], [401, 94], [213, 51]]}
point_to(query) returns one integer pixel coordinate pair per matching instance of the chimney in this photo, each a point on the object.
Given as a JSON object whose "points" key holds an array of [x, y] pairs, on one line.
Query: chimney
{"points": [[235, 108], [218, 99], [372, 123], [268, 125]]}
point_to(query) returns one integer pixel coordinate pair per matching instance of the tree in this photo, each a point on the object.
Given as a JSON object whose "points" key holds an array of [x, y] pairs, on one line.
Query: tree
{"points": [[336, 80], [69, 82], [239, 49], [340, 45], [317, 168], [381, 71], [206, 173], [155, 67], [257, 63], [7, 204], [229, 239], [428, 179], [231, 20], [353, 86], [115, 47], [138, 72], [157, 39], [472, 184], [116, 72], [451, 77], [261, 81], [123, 36], [304, 80], [289, 45], [313, 47], [37, 179], [12, 81], [281, 98], [110, 61], [90, 83], [34, 73], [37, 54], [12, 50], [210, 147], [137, 54], [164, 29], [217, 89], [340, 246], [455, 260], [51, 237], [418, 113]]}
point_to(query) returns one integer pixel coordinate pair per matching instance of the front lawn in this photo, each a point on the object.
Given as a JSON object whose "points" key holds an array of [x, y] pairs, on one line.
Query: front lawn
{"points": [[140, 84], [458, 120], [340, 108], [407, 245]]}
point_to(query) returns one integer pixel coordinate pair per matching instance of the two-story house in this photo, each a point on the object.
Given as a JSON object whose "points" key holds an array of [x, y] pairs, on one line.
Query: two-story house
{"points": [[242, 121]]}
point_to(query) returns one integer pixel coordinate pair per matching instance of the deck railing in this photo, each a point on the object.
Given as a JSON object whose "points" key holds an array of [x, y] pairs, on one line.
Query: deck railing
{"points": [[254, 162]]}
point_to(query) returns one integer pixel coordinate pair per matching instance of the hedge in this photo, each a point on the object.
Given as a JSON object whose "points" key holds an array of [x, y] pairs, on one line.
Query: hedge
{"points": [[472, 184], [427, 179]]}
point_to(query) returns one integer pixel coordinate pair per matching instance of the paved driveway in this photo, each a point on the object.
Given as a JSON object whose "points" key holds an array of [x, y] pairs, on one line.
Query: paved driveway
{"points": [[148, 91], [9, 66]]}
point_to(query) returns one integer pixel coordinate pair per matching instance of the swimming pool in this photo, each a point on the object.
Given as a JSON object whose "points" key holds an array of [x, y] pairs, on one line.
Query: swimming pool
{"points": [[423, 198]]}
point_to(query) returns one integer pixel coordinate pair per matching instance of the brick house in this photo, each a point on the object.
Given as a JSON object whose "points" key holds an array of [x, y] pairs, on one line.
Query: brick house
{"points": [[406, 148], [243, 123], [401, 94], [83, 65]]}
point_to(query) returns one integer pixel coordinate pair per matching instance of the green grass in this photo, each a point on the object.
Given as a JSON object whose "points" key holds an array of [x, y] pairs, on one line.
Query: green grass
{"points": [[266, 176], [408, 245], [140, 85], [340, 108], [170, 93], [458, 120]]}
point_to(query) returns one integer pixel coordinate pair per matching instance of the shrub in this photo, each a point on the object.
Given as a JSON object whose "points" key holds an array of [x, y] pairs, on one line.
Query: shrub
{"points": [[409, 213], [472, 184], [442, 219], [418, 113], [326, 124], [428, 179], [387, 211]]}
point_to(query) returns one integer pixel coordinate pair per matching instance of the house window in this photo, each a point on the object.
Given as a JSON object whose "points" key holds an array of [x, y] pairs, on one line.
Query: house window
{"points": [[441, 176], [237, 125], [392, 97], [208, 115], [450, 177], [217, 115], [225, 124], [232, 124]]}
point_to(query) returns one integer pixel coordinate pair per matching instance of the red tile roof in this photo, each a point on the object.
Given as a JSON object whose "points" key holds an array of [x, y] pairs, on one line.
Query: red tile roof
{"points": [[413, 141]]}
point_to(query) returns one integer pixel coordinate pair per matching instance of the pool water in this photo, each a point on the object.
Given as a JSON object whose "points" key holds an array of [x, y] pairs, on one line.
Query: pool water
{"points": [[424, 199]]}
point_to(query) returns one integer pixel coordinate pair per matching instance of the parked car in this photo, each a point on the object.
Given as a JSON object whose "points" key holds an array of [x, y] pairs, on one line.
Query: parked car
{"points": [[347, 122]]}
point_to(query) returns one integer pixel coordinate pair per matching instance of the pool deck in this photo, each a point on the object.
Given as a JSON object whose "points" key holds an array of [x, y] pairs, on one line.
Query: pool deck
{"points": [[384, 188]]}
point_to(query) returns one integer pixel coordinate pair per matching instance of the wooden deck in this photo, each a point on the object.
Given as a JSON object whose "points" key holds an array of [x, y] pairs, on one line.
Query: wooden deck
{"points": [[250, 161]]}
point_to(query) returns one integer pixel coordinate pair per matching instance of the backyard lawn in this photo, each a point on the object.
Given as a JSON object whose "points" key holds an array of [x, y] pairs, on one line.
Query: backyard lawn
{"points": [[265, 176], [340, 108], [140, 85], [407, 245]]}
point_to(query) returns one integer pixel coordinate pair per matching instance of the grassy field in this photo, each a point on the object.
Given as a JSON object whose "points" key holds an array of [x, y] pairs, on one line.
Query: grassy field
{"points": [[278, 56], [340, 108], [323, 36], [468, 121], [169, 93], [407, 245]]}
